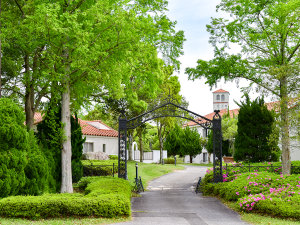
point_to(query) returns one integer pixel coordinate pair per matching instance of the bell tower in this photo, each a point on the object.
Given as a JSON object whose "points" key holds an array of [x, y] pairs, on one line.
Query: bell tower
{"points": [[220, 99]]}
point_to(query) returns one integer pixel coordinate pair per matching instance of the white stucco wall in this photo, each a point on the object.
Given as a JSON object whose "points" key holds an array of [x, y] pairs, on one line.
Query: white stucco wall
{"points": [[98, 141], [225, 101], [156, 156]]}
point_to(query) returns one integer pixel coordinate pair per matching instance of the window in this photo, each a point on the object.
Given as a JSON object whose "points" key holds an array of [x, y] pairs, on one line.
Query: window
{"points": [[104, 148], [223, 98], [88, 147], [218, 97]]}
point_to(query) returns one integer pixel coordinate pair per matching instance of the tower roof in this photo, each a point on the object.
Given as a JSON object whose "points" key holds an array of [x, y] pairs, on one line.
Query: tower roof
{"points": [[220, 91]]}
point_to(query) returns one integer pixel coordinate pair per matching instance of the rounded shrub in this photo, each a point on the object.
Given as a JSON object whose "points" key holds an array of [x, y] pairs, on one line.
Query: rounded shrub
{"points": [[23, 167]]}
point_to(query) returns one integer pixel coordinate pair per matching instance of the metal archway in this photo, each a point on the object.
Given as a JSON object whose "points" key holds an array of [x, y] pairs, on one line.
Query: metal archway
{"points": [[171, 109]]}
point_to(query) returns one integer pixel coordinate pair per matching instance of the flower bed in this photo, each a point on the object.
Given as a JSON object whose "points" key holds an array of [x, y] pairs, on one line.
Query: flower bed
{"points": [[265, 192]]}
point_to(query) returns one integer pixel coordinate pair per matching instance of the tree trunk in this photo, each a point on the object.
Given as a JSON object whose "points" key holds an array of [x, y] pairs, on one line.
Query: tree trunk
{"points": [[285, 136], [159, 128], [191, 159], [66, 153], [29, 95], [209, 156], [140, 130]]}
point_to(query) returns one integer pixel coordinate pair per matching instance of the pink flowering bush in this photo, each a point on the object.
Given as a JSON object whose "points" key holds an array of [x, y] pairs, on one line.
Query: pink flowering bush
{"points": [[253, 190]]}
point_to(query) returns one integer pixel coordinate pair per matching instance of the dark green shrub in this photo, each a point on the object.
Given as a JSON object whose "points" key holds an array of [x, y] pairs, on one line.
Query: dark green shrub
{"points": [[50, 136], [255, 140], [98, 170], [23, 167], [113, 157], [77, 145], [169, 161], [104, 197]]}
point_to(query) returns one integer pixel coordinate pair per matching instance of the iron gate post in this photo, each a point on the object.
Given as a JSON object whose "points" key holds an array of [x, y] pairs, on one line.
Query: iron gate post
{"points": [[122, 153], [217, 147]]}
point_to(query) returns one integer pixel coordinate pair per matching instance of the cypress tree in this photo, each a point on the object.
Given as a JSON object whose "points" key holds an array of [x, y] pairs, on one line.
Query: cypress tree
{"points": [[77, 146], [50, 136], [255, 126]]}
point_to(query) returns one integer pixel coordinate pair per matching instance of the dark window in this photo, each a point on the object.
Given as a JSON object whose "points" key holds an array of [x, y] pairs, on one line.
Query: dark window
{"points": [[104, 148], [223, 98], [218, 97]]}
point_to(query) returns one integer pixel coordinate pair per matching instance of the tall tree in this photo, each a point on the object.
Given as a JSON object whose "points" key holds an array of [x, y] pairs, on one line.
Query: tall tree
{"points": [[169, 88], [173, 141], [229, 130], [87, 46], [191, 143], [267, 33], [255, 126]]}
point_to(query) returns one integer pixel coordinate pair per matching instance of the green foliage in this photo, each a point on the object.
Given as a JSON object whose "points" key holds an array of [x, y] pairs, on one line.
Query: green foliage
{"points": [[77, 145], [23, 167], [113, 157], [191, 142], [50, 136], [169, 161], [173, 141], [255, 126], [261, 192], [103, 197]]}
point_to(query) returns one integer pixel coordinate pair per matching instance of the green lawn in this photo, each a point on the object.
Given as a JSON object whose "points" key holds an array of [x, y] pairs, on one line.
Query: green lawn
{"points": [[149, 171]]}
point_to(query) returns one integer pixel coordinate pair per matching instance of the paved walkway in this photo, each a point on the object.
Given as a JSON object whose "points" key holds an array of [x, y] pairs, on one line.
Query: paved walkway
{"points": [[171, 200]]}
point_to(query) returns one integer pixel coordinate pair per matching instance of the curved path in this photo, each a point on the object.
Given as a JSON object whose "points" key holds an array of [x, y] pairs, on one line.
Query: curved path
{"points": [[171, 200]]}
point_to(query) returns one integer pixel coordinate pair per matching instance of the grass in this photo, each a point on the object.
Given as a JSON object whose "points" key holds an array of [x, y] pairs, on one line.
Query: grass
{"points": [[149, 171]]}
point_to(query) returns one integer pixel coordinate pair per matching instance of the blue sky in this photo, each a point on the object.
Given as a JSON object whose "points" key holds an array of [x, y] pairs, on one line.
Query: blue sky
{"points": [[192, 16]]}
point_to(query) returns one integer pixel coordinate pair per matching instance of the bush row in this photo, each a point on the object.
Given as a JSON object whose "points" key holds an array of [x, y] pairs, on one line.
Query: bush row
{"points": [[264, 192], [274, 167], [101, 197]]}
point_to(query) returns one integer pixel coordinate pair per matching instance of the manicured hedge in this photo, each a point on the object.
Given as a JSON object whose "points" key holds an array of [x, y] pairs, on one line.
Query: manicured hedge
{"points": [[275, 167], [169, 161], [102, 197], [262, 192], [99, 167]]}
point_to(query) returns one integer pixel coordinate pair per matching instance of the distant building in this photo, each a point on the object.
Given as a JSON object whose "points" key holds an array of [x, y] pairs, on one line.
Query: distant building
{"points": [[220, 99], [221, 102], [99, 136]]}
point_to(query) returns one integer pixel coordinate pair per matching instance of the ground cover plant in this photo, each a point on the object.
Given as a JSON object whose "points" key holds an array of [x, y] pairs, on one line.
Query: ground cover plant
{"points": [[261, 192], [100, 197]]}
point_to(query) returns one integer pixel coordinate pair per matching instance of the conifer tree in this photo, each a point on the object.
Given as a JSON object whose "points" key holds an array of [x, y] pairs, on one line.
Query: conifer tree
{"points": [[255, 126]]}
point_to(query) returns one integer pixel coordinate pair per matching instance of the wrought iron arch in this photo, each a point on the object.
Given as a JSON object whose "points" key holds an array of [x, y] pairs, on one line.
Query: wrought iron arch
{"points": [[170, 109]]}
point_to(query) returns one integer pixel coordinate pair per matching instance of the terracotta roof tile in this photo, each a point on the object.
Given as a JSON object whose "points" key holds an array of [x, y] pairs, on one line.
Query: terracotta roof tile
{"points": [[87, 129], [220, 91], [270, 105], [38, 118]]}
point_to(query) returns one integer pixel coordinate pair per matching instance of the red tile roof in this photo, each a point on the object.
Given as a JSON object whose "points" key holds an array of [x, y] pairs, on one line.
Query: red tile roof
{"points": [[270, 105], [37, 118], [220, 91], [87, 129], [233, 112]]}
